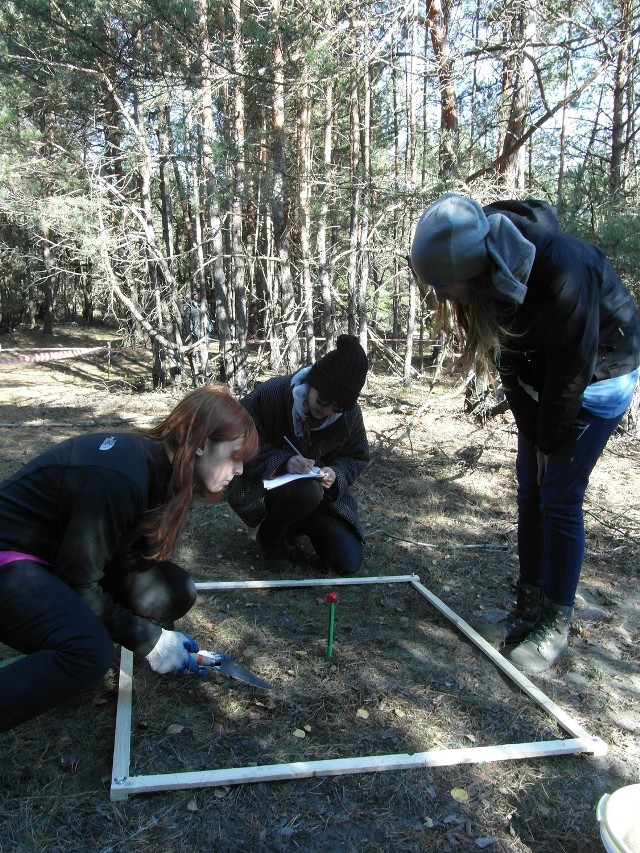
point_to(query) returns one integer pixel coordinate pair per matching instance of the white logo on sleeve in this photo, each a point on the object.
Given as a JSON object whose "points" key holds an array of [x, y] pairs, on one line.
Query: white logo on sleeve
{"points": [[108, 443]]}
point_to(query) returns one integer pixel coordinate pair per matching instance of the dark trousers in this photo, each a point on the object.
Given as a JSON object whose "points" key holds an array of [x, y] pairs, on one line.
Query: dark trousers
{"points": [[550, 519], [301, 508], [67, 647]]}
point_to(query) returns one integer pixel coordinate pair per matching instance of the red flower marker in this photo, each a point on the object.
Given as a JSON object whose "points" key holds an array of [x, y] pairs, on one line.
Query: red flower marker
{"points": [[332, 599]]}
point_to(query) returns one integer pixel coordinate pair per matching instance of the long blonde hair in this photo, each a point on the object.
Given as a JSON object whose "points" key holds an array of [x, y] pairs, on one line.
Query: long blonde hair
{"points": [[481, 332], [206, 413]]}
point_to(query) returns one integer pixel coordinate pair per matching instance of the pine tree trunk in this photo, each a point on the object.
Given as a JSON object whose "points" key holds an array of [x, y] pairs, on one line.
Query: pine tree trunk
{"points": [[354, 180], [215, 241], [237, 201], [279, 205], [326, 195], [304, 212]]}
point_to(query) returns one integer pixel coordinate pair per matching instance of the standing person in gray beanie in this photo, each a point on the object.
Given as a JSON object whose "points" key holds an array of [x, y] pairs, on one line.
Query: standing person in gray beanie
{"points": [[549, 311], [316, 411]]}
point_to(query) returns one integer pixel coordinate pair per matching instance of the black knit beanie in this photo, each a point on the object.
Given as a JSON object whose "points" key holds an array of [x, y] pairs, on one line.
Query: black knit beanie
{"points": [[341, 373]]}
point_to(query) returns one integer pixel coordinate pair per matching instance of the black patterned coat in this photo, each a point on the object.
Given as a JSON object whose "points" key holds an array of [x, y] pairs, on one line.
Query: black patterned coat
{"points": [[342, 446]]}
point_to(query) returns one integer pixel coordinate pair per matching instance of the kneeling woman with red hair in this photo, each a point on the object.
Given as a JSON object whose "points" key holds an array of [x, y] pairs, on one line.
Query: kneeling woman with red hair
{"points": [[86, 530]]}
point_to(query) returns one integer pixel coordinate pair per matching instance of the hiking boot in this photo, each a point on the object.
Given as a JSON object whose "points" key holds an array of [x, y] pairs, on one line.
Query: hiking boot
{"points": [[272, 548], [547, 642], [520, 622]]}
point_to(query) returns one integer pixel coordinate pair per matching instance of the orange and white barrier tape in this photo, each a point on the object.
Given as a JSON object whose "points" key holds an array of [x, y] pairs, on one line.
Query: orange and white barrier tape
{"points": [[45, 355]]}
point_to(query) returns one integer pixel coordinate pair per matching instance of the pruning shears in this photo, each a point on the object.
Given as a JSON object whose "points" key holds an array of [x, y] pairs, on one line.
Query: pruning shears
{"points": [[224, 663]]}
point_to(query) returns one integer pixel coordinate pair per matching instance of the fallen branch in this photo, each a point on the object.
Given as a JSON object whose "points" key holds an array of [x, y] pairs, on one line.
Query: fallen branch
{"points": [[625, 533], [488, 546], [406, 433]]}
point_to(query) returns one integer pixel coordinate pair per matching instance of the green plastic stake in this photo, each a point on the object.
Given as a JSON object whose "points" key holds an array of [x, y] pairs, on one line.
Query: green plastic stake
{"points": [[332, 598]]}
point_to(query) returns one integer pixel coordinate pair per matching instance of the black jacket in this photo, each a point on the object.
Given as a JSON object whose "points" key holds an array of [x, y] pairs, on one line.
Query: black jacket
{"points": [[577, 325], [342, 446], [79, 506]]}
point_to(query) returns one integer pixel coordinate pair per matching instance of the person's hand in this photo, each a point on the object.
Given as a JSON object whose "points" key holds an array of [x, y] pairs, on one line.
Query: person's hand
{"points": [[328, 477], [299, 465], [171, 654], [542, 465]]}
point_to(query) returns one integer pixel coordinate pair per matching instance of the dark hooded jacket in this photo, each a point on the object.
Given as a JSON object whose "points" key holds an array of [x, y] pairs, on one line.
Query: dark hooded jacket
{"points": [[577, 325], [342, 446], [79, 507]]}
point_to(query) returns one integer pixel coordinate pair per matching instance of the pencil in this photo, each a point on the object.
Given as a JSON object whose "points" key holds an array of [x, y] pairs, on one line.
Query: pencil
{"points": [[295, 449], [292, 446]]}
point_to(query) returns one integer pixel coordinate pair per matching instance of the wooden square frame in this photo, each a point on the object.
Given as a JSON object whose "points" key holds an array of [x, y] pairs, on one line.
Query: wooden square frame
{"points": [[123, 785]]}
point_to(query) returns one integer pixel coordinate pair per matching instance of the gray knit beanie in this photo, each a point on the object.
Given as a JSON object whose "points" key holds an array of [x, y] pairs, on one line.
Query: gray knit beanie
{"points": [[449, 242], [455, 241], [340, 374]]}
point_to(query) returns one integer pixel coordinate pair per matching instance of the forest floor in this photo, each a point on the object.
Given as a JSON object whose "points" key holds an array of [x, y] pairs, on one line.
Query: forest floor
{"points": [[437, 501]]}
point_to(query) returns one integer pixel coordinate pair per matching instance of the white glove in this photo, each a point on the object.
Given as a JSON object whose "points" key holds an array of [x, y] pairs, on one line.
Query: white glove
{"points": [[171, 653]]}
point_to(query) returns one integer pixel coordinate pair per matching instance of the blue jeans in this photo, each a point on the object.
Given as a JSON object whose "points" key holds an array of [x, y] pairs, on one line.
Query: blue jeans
{"points": [[550, 518], [67, 647], [333, 540]]}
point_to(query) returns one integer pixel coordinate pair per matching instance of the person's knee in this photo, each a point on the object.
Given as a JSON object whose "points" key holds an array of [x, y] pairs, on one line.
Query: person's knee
{"points": [[309, 495], [100, 658], [296, 500], [346, 564], [86, 657], [563, 500], [344, 558], [309, 491], [188, 596], [181, 588], [163, 593]]}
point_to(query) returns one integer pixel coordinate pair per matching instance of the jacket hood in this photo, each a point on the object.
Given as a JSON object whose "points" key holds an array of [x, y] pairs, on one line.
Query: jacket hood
{"points": [[536, 220]]}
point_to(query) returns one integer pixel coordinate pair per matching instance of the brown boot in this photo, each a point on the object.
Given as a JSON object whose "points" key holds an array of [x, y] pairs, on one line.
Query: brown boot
{"points": [[547, 642], [515, 627]]}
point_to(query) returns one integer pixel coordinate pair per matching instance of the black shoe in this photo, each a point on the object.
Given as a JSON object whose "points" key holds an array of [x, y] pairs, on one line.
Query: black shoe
{"points": [[519, 623], [296, 547], [273, 550]]}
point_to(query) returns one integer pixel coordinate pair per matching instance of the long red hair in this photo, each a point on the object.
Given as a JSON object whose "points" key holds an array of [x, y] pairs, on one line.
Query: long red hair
{"points": [[205, 413]]}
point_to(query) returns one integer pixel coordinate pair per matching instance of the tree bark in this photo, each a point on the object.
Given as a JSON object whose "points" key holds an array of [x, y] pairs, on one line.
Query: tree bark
{"points": [[517, 75], [238, 199], [304, 211], [355, 156], [437, 21], [620, 90], [324, 261], [211, 204], [280, 202]]}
